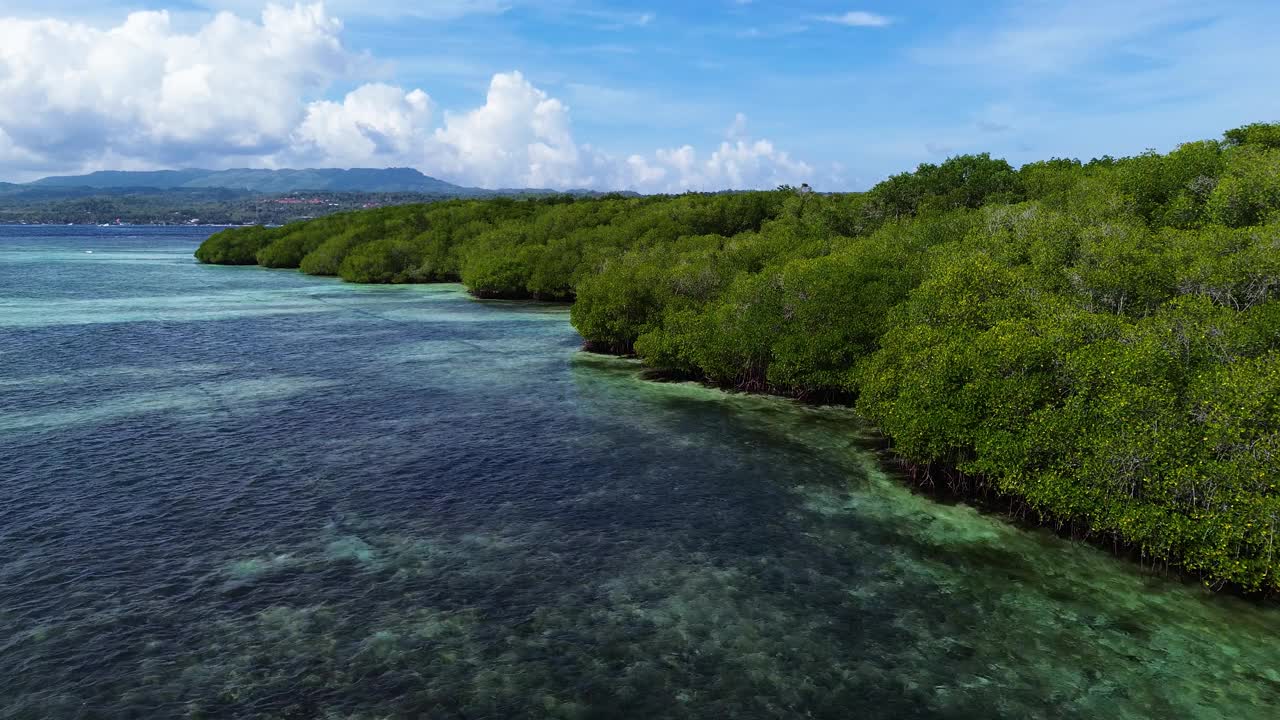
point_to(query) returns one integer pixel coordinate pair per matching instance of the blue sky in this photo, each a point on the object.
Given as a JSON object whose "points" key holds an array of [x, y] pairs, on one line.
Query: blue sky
{"points": [[838, 94]]}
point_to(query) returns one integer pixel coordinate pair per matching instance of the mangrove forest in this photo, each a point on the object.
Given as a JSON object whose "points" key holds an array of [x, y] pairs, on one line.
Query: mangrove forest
{"points": [[1096, 343]]}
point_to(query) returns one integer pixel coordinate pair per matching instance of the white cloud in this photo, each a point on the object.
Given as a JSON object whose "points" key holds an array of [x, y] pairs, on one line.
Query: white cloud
{"points": [[384, 9], [373, 122], [857, 18], [740, 164], [236, 92], [68, 91], [522, 137], [519, 137]]}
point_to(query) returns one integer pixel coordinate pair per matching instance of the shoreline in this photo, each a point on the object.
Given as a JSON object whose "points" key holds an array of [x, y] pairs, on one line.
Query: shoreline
{"points": [[920, 478], [947, 485], [125, 225]]}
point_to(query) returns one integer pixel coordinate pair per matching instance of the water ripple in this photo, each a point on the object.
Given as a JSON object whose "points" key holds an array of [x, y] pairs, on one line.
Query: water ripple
{"points": [[226, 492]]}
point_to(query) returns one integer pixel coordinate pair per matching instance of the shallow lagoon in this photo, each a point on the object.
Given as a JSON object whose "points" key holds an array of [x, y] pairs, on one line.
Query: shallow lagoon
{"points": [[240, 492]]}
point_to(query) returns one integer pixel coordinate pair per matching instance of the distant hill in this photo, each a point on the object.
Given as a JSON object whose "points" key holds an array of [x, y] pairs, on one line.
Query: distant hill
{"points": [[397, 180], [234, 197]]}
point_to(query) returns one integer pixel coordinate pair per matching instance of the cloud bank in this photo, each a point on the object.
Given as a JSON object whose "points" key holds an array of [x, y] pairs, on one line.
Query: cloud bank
{"points": [[240, 92]]}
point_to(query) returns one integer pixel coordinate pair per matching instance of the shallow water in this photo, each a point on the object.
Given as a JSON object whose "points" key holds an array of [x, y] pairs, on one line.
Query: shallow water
{"points": [[234, 492]]}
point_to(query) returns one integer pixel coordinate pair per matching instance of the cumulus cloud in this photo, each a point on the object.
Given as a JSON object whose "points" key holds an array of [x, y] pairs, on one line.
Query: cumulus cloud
{"points": [[522, 137], [373, 122], [739, 162], [519, 137], [742, 163], [142, 88], [238, 92]]}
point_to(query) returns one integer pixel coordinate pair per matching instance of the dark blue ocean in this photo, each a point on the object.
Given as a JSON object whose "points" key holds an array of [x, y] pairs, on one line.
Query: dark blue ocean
{"points": [[235, 492]]}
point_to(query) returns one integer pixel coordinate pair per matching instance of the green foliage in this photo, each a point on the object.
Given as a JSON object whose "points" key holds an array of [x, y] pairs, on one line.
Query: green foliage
{"points": [[964, 181], [388, 260], [1050, 177], [296, 242], [1173, 189], [327, 258], [620, 302], [1260, 134], [1239, 268], [500, 268], [236, 246], [1249, 190], [1100, 340], [1122, 268]]}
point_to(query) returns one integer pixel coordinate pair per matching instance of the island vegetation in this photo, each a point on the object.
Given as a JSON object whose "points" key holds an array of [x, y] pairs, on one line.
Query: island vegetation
{"points": [[1096, 342], [20, 205]]}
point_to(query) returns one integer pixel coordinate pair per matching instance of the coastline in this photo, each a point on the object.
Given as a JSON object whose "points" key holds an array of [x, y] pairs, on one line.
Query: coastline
{"points": [[945, 484], [937, 326], [934, 480]]}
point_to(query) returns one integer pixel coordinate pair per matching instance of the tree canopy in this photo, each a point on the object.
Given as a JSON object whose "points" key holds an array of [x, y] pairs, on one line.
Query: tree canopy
{"points": [[1098, 341]]}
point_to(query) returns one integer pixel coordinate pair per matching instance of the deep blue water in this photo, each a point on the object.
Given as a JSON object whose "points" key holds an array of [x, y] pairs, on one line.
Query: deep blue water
{"points": [[234, 492]]}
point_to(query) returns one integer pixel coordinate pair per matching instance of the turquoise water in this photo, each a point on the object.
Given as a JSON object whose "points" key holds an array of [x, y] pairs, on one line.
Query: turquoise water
{"points": [[235, 492]]}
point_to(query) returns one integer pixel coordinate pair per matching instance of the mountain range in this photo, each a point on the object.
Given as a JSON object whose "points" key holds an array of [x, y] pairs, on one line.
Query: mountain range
{"points": [[389, 180], [228, 196]]}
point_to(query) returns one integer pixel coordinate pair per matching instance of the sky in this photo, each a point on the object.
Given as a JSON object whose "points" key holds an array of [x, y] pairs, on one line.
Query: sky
{"points": [[654, 96]]}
